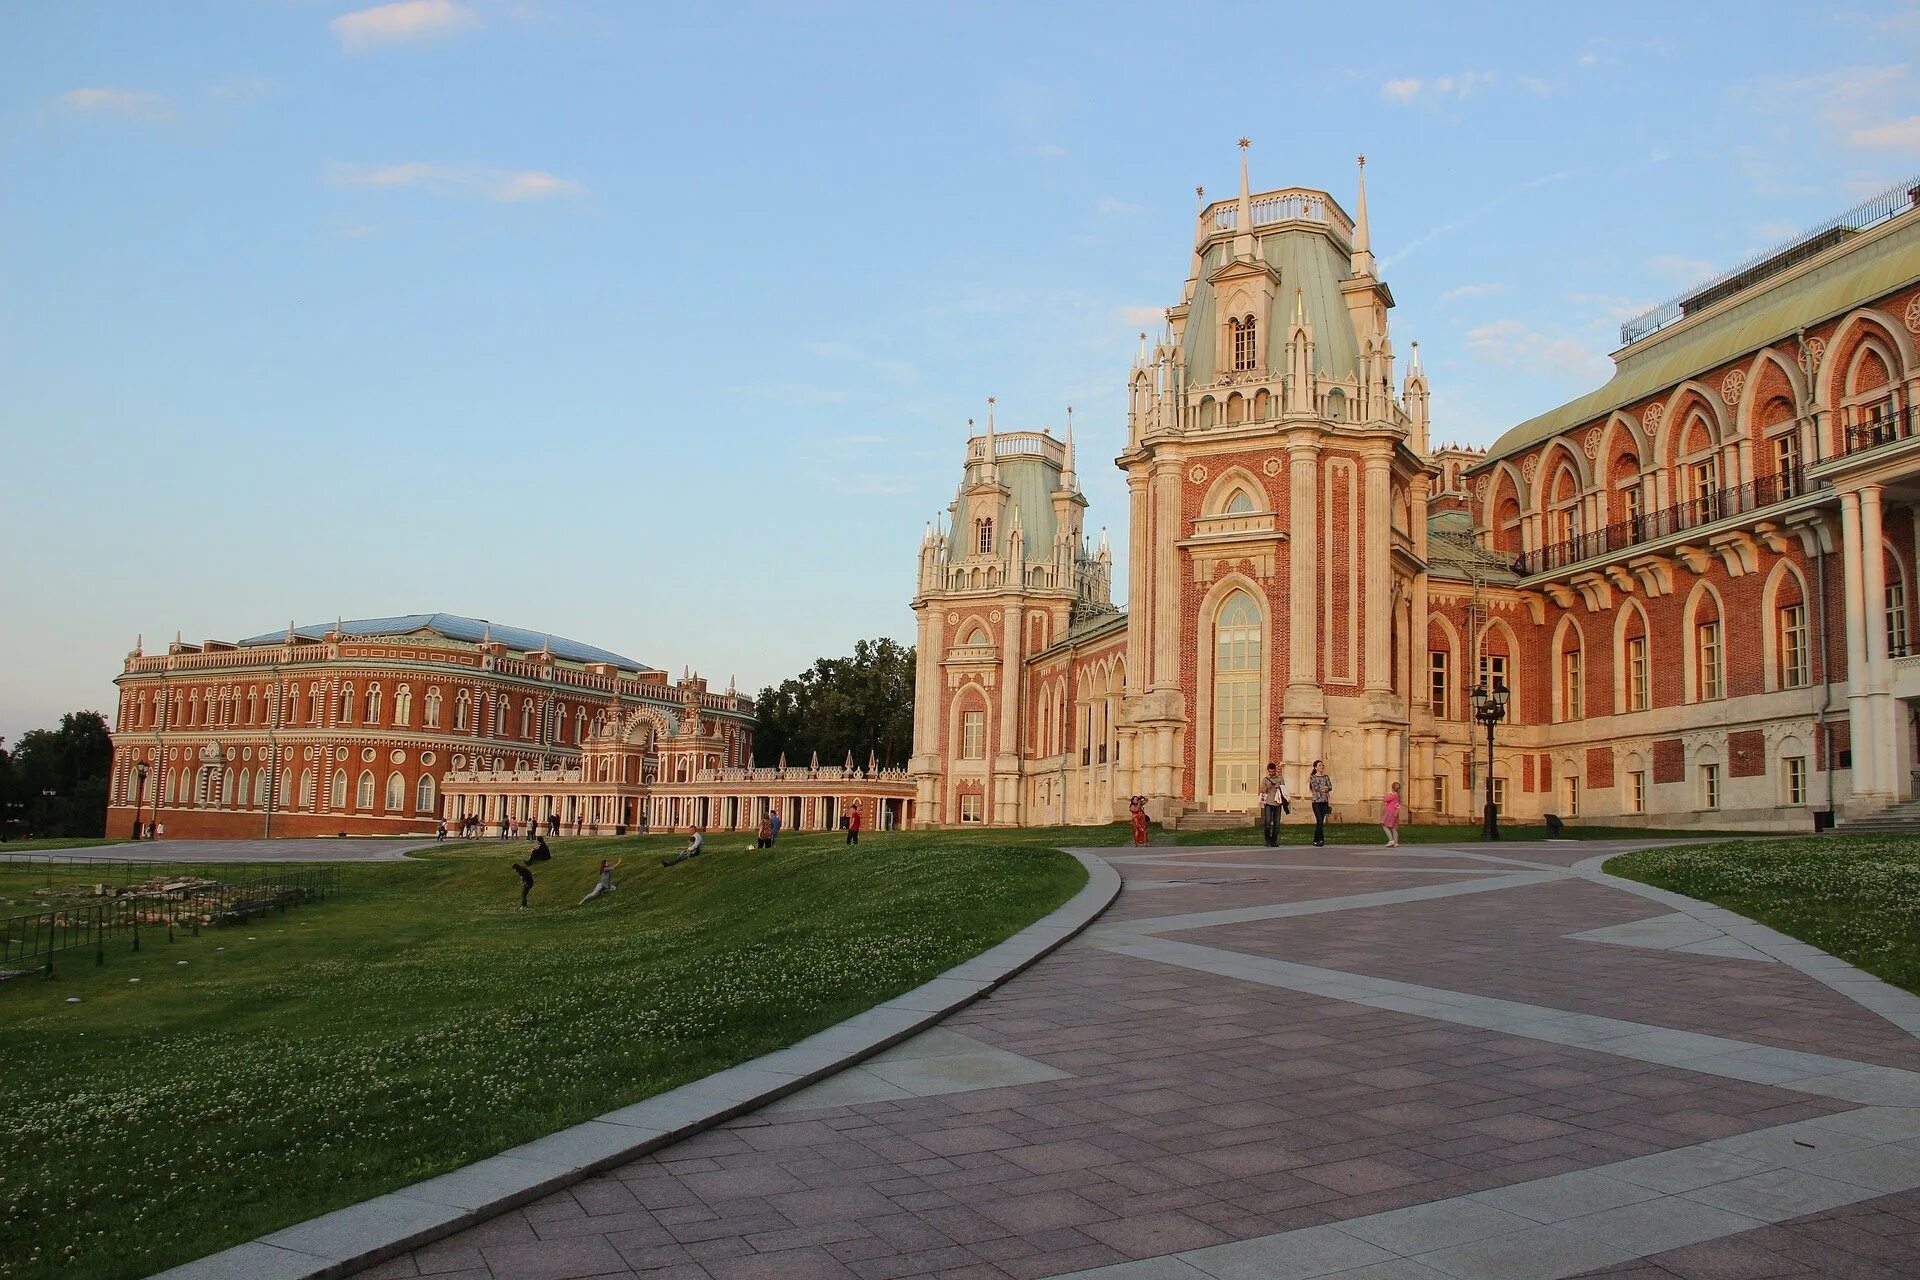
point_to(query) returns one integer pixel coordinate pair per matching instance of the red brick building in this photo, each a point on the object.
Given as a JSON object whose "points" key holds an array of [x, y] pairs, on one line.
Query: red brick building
{"points": [[1696, 580]]}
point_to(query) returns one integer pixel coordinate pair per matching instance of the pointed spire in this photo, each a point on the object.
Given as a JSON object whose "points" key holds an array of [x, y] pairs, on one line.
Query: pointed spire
{"points": [[1416, 357], [1299, 306], [1362, 263], [849, 764], [1243, 226], [1105, 549], [783, 760], [139, 643], [816, 761], [291, 634], [486, 633], [1067, 478]]}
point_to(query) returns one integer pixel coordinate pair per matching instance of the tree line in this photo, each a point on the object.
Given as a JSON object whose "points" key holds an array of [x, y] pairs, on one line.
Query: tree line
{"points": [[861, 705], [53, 782]]}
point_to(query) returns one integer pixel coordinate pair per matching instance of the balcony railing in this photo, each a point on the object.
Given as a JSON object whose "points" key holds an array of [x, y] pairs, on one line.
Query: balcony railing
{"points": [[1887, 429], [1691, 514]]}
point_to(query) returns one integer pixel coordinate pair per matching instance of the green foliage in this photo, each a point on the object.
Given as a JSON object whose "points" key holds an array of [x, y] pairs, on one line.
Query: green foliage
{"points": [[1856, 897], [860, 705], [420, 1020], [54, 781]]}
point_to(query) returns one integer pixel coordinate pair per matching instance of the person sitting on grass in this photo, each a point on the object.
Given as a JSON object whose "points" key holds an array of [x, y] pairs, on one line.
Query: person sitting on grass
{"points": [[526, 882], [691, 851], [605, 884], [540, 851]]}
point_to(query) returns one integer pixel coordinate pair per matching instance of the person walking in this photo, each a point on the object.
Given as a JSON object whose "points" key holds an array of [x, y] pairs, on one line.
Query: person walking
{"points": [[1390, 816], [853, 826], [775, 837], [1320, 787], [1138, 807], [440, 832], [694, 843], [605, 884], [526, 882], [1273, 803], [553, 823], [763, 836]]}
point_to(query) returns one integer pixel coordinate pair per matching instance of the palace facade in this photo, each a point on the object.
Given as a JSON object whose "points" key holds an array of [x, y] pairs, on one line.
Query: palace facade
{"points": [[1695, 581], [384, 726]]}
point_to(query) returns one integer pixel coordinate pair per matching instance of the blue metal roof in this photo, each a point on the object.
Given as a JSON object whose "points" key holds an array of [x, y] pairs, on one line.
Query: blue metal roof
{"points": [[454, 627]]}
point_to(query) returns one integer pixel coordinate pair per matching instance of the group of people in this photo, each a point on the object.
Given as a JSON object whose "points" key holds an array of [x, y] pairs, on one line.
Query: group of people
{"points": [[1275, 803], [510, 828]]}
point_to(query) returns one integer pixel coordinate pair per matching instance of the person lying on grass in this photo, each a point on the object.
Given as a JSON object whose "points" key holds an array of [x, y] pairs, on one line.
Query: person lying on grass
{"points": [[691, 851], [606, 880]]}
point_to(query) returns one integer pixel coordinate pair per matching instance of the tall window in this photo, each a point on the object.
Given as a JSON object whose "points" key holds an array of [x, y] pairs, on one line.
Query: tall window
{"points": [[973, 735], [339, 793], [403, 705], [346, 704], [1236, 697], [460, 708], [983, 535], [1786, 462], [1245, 344], [1709, 786], [1796, 779], [1793, 647], [423, 794], [1637, 674], [1896, 618], [373, 705], [365, 797], [970, 807], [433, 707], [1573, 698], [1570, 796], [1493, 670], [500, 710], [1439, 793], [526, 718], [1637, 791], [396, 792], [1439, 684], [1706, 488], [1712, 676], [306, 788], [1500, 797], [1631, 494]]}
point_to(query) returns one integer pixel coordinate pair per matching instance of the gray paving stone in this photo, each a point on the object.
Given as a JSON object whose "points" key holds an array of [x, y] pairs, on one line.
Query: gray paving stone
{"points": [[1654, 1226], [487, 1182], [1888, 1168], [1673, 1172], [1539, 1253], [1291, 1255], [1425, 1227], [360, 1229], [250, 1261], [1779, 1194], [1171, 1268], [1791, 1144], [1563, 1196]]}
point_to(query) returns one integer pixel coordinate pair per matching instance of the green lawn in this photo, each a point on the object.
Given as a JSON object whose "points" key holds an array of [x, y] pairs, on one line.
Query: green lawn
{"points": [[56, 842], [419, 1020], [1856, 897]]}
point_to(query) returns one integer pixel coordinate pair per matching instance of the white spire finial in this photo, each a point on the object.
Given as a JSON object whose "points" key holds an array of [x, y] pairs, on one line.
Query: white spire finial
{"points": [[1416, 357], [1243, 225], [1362, 263]]}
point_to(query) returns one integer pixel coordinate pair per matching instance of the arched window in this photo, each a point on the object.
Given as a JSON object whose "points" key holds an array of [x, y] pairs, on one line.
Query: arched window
{"points": [[423, 794], [306, 788], [460, 709], [338, 798], [396, 792], [1236, 698], [253, 705], [314, 704], [226, 786], [1241, 503], [526, 719], [500, 710], [977, 636], [346, 704], [261, 781], [560, 721], [373, 704], [1709, 650], [403, 705], [983, 535], [580, 725], [433, 707], [365, 797], [1245, 344]]}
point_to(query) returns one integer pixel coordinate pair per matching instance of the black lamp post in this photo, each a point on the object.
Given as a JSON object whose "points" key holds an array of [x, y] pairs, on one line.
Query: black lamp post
{"points": [[1490, 708], [139, 794]]}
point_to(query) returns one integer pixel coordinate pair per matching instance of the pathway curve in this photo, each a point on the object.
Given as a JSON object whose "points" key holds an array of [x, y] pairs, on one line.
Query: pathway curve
{"points": [[1375, 1064]]}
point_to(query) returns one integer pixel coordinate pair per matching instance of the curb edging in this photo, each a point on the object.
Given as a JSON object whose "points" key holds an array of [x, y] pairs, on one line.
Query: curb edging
{"points": [[361, 1235]]}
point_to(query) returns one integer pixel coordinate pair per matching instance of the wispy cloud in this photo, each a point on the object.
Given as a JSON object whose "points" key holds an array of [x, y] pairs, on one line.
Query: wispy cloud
{"points": [[127, 104], [402, 22], [1534, 84], [1109, 206], [1470, 217], [1435, 92], [505, 186], [1511, 344], [1473, 290], [241, 90], [1893, 135]]}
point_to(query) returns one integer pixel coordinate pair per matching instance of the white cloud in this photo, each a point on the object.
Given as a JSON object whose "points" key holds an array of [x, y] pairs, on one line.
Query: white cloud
{"points": [[1898, 135], [507, 186], [1473, 290], [1441, 89], [1511, 344], [1534, 84], [1400, 90], [1613, 308], [242, 89], [402, 22], [128, 104]]}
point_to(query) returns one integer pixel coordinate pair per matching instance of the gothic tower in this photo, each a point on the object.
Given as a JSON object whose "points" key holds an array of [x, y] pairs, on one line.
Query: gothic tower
{"points": [[1279, 487]]}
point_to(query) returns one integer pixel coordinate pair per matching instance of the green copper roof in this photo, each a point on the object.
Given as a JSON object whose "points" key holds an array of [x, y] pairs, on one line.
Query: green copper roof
{"points": [[1031, 479], [1308, 262], [1874, 264]]}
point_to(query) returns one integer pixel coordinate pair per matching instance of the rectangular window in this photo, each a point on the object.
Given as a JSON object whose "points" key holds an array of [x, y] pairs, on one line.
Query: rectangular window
{"points": [[1440, 793], [1705, 477], [1570, 797], [1637, 791], [1631, 495], [1493, 670], [1637, 685], [1438, 683], [973, 735], [1573, 698], [1897, 619], [1500, 797], [1709, 786], [1793, 646], [1786, 462], [1712, 685], [970, 807], [1796, 779]]}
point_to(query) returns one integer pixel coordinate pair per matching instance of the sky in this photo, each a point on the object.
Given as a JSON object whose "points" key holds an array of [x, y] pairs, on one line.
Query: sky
{"points": [[659, 326]]}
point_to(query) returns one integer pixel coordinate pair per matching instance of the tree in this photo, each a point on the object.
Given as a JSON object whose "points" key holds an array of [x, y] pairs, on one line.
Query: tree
{"points": [[860, 705], [56, 779]]}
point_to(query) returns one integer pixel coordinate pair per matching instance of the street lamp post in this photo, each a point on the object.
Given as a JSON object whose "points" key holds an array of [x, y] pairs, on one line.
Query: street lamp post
{"points": [[139, 794], [1490, 708]]}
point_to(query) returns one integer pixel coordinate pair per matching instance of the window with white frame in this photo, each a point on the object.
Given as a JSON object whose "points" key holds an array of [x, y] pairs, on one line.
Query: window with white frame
{"points": [[983, 535], [346, 704], [1793, 647], [1570, 796], [338, 797], [1637, 791], [973, 735], [461, 706], [526, 718], [970, 807], [1709, 786], [1795, 778], [423, 794], [1573, 697], [373, 705], [1439, 793], [1704, 476], [1439, 682], [1500, 797], [1786, 462], [1236, 697], [1493, 670], [1637, 673], [365, 796], [396, 792], [1708, 655], [433, 707], [403, 705], [1896, 618]]}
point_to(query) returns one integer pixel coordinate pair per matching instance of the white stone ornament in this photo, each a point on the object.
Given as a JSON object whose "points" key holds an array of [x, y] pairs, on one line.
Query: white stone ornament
{"points": [[1913, 315], [1531, 467], [1271, 466], [1732, 385], [1198, 474], [1652, 414], [1591, 445]]}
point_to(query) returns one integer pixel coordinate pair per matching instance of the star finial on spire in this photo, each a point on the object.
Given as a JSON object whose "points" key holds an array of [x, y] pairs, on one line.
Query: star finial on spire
{"points": [[1245, 143]]}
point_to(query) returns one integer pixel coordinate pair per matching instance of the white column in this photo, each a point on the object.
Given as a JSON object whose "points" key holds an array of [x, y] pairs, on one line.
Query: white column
{"points": [[1859, 624], [1886, 758], [1379, 589]]}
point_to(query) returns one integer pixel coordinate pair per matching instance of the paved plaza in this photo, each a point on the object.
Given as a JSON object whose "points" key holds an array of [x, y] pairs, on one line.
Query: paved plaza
{"points": [[1376, 1064]]}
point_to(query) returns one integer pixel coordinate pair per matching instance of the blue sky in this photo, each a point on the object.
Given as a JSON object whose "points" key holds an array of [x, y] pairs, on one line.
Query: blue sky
{"points": [[659, 327]]}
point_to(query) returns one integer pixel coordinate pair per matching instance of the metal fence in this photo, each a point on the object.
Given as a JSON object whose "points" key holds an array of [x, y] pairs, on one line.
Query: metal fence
{"points": [[31, 941], [1706, 509]]}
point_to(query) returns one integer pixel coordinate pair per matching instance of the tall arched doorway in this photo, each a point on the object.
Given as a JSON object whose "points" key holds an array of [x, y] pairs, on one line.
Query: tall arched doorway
{"points": [[1237, 676]]}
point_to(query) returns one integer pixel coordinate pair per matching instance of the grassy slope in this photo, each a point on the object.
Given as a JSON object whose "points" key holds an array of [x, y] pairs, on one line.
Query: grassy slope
{"points": [[420, 1020], [1856, 897]]}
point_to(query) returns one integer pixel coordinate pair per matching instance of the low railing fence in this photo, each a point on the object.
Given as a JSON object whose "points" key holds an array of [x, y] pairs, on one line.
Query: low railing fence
{"points": [[1709, 508], [30, 941]]}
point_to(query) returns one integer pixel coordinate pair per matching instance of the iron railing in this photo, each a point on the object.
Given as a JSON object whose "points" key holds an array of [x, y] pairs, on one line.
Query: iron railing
{"points": [[1678, 518], [1891, 426]]}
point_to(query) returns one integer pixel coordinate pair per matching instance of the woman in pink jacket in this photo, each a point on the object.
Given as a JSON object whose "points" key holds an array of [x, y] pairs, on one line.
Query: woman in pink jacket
{"points": [[1390, 816]]}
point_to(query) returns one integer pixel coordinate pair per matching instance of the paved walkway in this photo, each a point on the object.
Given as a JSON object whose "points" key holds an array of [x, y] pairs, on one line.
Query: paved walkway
{"points": [[1375, 1064]]}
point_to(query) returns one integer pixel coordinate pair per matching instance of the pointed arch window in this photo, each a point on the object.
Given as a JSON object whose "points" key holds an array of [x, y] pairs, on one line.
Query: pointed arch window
{"points": [[461, 709], [396, 792], [423, 794], [1236, 698], [1241, 503], [983, 535], [338, 798], [1245, 342], [526, 719], [433, 707], [365, 790], [373, 704], [403, 705], [346, 704]]}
